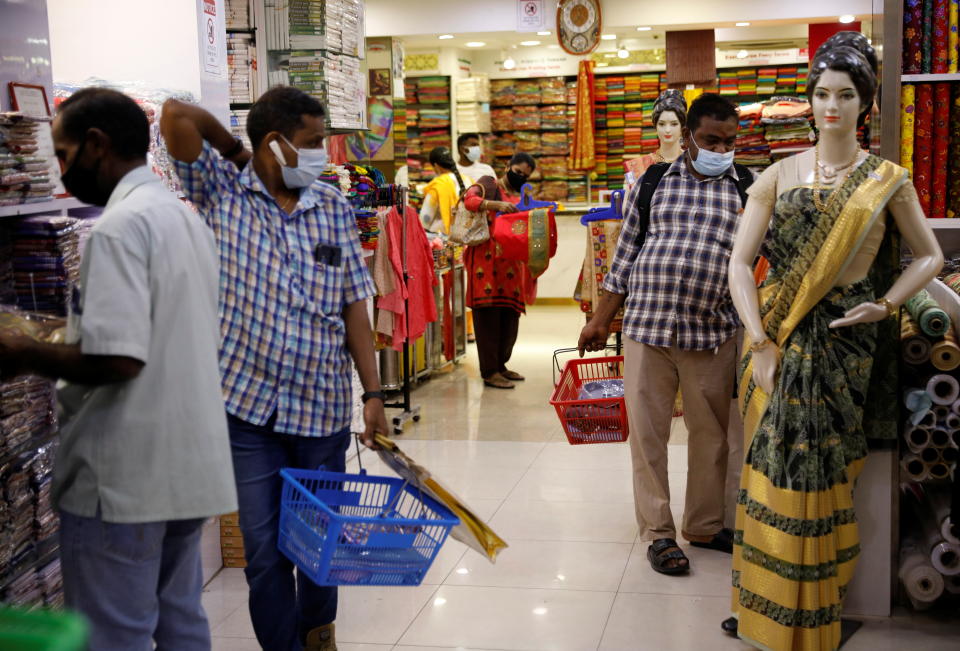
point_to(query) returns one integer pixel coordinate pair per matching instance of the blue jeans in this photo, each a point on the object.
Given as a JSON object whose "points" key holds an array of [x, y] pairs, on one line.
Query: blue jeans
{"points": [[135, 583], [282, 611]]}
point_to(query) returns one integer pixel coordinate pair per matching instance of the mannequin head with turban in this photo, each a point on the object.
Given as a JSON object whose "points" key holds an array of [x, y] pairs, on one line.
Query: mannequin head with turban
{"points": [[842, 70]]}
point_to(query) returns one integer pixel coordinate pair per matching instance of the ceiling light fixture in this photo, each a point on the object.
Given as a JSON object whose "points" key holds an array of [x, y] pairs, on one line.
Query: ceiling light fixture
{"points": [[644, 29], [540, 611], [544, 33], [743, 24], [444, 37], [742, 54], [475, 44], [609, 37], [554, 46], [623, 52], [602, 64], [529, 43], [509, 63], [609, 55], [847, 18]]}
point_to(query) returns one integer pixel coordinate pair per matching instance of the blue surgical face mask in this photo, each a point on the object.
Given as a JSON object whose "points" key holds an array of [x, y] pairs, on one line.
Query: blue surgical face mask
{"points": [[710, 163], [473, 154], [311, 163]]}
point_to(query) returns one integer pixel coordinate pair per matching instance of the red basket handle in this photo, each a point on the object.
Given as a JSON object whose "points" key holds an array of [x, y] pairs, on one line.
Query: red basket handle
{"points": [[563, 351]]}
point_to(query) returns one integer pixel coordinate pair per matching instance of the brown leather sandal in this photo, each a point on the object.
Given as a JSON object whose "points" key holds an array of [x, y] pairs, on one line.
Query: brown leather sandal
{"points": [[513, 376], [497, 381]]}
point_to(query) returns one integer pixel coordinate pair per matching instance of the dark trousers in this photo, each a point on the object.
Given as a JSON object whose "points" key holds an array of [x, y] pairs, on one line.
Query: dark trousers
{"points": [[282, 611], [495, 329]]}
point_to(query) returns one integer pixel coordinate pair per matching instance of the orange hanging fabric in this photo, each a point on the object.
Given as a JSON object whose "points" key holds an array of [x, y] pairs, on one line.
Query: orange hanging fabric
{"points": [[583, 151]]}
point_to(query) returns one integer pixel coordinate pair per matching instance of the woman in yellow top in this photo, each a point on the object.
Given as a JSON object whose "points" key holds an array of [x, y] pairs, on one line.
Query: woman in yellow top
{"points": [[442, 193]]}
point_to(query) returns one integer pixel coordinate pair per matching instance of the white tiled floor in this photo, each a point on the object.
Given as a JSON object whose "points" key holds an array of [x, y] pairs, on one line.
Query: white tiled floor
{"points": [[575, 576]]}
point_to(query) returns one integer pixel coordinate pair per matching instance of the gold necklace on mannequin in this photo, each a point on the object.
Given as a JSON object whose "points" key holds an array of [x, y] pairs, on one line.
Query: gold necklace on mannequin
{"points": [[830, 175]]}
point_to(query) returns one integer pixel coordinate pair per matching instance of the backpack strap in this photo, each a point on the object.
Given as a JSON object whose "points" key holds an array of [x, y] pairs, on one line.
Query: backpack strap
{"points": [[648, 186], [745, 180]]}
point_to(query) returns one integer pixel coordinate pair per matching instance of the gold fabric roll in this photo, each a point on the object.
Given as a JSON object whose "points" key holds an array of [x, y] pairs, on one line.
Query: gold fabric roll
{"points": [[945, 355], [915, 347]]}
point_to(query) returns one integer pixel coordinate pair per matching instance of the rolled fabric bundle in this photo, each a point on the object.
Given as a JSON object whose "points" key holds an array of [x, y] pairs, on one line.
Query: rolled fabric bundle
{"points": [[918, 403], [908, 101], [955, 407], [915, 347], [928, 314], [926, 65], [917, 438], [945, 354], [952, 584], [913, 467], [922, 582], [940, 506], [949, 531], [941, 148], [955, 437], [930, 456], [928, 421], [952, 421], [953, 45], [943, 389], [945, 558], [940, 412], [938, 470], [939, 438], [941, 37], [949, 456], [923, 147], [953, 191], [953, 282]]}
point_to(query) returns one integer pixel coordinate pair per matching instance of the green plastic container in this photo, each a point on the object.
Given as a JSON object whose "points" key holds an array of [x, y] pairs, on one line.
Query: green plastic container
{"points": [[41, 630]]}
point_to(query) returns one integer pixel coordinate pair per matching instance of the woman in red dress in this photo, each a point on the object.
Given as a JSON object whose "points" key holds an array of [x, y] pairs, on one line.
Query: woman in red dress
{"points": [[497, 289]]}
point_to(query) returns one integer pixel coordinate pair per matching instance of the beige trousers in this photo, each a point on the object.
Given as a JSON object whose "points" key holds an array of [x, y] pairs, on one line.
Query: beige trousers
{"points": [[706, 379]]}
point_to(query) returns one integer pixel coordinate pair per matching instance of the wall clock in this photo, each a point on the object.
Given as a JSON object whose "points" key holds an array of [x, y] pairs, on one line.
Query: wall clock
{"points": [[578, 25]]}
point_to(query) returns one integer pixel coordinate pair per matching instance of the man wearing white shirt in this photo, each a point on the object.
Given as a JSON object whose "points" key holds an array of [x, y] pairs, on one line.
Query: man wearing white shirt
{"points": [[468, 162]]}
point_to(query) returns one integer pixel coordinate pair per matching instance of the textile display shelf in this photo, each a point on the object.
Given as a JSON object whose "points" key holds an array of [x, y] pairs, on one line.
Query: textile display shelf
{"points": [[428, 121]]}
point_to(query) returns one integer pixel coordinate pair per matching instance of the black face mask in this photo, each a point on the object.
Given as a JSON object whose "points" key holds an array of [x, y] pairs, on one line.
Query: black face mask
{"points": [[82, 183], [516, 180]]}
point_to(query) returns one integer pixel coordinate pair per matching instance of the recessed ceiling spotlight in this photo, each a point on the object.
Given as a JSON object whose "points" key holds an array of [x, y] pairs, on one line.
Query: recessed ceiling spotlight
{"points": [[475, 44], [743, 24], [553, 46], [609, 55], [644, 29], [444, 37], [544, 33], [529, 43], [847, 18], [609, 37]]}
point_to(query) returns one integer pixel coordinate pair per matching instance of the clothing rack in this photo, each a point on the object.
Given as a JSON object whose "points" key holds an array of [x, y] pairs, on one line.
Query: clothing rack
{"points": [[398, 198]]}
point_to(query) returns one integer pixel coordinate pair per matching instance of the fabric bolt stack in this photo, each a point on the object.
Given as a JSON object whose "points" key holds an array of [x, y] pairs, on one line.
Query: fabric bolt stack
{"points": [[238, 14], [766, 81], [24, 171], [505, 145], [752, 147], [930, 43], [238, 126], [554, 143], [503, 92], [46, 262], [8, 292], [787, 126], [241, 65], [553, 117], [650, 85], [433, 90], [527, 91], [553, 168], [930, 143], [526, 117], [729, 84], [577, 191], [528, 141], [571, 93], [502, 119], [434, 118], [473, 117], [553, 90], [747, 81], [786, 79]]}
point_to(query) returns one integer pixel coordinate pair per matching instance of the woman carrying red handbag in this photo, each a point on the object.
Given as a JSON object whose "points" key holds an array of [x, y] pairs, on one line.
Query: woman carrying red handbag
{"points": [[498, 289]]}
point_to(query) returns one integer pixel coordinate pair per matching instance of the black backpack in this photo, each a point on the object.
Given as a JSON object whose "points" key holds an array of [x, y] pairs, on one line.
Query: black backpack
{"points": [[651, 179]]}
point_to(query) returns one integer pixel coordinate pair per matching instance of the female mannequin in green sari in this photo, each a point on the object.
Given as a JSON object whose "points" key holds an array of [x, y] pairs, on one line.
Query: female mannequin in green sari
{"points": [[816, 375]]}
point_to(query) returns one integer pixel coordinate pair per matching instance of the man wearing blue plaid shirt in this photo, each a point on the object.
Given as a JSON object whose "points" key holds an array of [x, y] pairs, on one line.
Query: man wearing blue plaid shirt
{"points": [[293, 290], [680, 327]]}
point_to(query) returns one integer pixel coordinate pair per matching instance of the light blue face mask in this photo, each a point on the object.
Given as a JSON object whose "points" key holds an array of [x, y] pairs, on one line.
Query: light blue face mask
{"points": [[710, 163], [311, 163]]}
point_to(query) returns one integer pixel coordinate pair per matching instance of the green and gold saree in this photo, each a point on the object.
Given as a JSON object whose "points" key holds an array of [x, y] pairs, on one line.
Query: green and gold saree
{"points": [[796, 540]]}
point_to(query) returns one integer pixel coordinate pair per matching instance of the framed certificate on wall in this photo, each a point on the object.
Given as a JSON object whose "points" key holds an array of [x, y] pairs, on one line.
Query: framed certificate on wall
{"points": [[29, 99]]}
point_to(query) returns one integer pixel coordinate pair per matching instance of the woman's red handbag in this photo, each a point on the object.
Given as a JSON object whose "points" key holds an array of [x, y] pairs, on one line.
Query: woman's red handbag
{"points": [[529, 236]]}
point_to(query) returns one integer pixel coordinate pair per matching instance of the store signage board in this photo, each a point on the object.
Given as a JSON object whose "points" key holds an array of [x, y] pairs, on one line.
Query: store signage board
{"points": [[211, 41], [730, 58], [531, 16]]}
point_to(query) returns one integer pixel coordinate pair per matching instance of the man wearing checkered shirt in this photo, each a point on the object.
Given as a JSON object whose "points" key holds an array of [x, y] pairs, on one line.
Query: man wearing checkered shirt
{"points": [[293, 290], [680, 326]]}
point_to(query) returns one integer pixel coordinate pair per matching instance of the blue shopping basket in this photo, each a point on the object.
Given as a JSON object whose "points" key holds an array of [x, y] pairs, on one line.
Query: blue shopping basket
{"points": [[346, 529]]}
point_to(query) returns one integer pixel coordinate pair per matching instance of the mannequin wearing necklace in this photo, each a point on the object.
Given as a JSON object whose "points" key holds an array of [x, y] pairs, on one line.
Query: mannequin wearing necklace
{"points": [[669, 117], [818, 374]]}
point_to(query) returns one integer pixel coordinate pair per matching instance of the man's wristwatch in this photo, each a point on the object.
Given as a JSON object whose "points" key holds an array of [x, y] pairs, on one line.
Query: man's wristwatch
{"points": [[373, 394]]}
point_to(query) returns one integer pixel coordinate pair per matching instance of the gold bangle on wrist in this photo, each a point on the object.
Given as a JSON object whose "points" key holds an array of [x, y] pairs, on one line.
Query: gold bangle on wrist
{"points": [[761, 345], [887, 303]]}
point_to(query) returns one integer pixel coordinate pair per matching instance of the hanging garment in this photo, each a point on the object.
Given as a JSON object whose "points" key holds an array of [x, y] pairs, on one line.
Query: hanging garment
{"points": [[412, 300], [529, 236]]}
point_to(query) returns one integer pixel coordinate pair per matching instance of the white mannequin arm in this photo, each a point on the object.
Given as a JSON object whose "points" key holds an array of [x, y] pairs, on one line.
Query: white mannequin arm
{"points": [[927, 262], [754, 223]]}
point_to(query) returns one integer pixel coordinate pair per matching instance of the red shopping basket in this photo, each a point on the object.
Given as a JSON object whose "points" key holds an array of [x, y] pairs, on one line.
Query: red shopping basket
{"points": [[602, 420]]}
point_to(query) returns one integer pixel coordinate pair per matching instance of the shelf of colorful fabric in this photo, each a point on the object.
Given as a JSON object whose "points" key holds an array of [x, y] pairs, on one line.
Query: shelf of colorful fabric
{"points": [[930, 144]]}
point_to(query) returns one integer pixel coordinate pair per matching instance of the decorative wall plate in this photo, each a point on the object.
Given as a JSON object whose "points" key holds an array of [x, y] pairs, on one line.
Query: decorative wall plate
{"points": [[578, 25]]}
